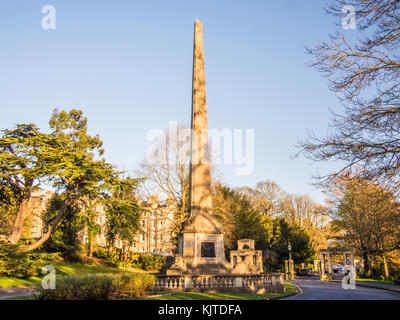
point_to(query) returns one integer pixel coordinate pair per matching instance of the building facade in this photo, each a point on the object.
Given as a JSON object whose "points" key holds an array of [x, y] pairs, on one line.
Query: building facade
{"points": [[155, 232], [36, 206]]}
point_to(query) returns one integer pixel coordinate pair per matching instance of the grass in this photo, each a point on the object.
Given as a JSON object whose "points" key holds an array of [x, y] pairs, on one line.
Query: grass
{"points": [[6, 282], [290, 289], [63, 269], [375, 281], [32, 297]]}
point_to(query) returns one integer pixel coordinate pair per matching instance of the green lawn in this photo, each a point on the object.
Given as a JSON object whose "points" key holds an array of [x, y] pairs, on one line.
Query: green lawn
{"points": [[6, 282], [290, 289], [375, 281], [32, 297], [63, 269]]}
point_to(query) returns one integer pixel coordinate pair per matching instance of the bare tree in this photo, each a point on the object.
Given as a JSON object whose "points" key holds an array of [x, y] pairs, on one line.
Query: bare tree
{"points": [[312, 217], [169, 175], [266, 197], [365, 75]]}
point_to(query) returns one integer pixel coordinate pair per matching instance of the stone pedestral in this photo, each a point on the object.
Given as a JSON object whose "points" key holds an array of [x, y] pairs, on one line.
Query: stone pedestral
{"points": [[201, 253]]}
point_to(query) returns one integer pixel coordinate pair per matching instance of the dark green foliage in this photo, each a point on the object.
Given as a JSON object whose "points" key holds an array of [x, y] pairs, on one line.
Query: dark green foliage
{"points": [[123, 212], [302, 250], [22, 265], [145, 261], [238, 218], [100, 286], [122, 219], [65, 237], [151, 262]]}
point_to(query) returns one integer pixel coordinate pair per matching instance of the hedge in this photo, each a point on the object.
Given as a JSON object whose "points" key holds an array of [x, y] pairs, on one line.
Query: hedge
{"points": [[99, 286]]}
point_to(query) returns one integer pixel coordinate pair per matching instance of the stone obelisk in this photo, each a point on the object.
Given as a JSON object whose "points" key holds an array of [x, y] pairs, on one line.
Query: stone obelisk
{"points": [[200, 197], [201, 246]]}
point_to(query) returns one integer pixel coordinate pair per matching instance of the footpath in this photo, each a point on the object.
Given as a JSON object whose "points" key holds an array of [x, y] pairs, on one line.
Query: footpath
{"points": [[6, 293]]}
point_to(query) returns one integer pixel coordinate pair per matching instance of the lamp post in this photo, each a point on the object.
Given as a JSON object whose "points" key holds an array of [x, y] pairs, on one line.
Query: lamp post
{"points": [[290, 263]]}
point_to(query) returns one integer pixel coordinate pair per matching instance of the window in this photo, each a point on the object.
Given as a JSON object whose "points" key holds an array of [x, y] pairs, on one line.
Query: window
{"points": [[141, 237]]}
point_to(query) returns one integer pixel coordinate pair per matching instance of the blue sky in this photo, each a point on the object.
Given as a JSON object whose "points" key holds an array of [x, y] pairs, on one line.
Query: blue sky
{"points": [[127, 65]]}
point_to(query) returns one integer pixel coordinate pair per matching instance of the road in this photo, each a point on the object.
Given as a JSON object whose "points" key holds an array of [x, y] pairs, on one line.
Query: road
{"points": [[314, 289]]}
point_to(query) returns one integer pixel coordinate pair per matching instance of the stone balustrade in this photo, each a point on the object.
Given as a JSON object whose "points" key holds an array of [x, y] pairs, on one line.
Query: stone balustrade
{"points": [[253, 283]]}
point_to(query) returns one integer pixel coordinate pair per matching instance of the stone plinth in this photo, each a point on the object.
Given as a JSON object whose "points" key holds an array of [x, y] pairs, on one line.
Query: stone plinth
{"points": [[201, 253]]}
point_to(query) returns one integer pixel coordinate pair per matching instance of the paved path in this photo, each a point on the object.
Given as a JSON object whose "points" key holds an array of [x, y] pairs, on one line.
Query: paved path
{"points": [[14, 295], [314, 289]]}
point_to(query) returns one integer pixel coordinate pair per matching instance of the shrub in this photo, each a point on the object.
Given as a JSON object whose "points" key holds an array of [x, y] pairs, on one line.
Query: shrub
{"points": [[23, 265], [151, 262], [144, 261], [100, 286], [101, 253], [363, 274], [133, 285]]}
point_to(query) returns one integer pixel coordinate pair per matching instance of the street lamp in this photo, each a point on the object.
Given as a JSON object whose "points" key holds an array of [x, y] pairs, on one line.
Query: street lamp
{"points": [[290, 251]]}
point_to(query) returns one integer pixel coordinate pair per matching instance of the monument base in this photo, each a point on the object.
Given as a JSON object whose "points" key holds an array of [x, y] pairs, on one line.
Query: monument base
{"points": [[201, 254]]}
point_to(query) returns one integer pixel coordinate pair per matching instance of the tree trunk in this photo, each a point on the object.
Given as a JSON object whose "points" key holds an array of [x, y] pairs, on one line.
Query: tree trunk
{"points": [[90, 253], [385, 266], [19, 221], [124, 257], [367, 263], [38, 243]]}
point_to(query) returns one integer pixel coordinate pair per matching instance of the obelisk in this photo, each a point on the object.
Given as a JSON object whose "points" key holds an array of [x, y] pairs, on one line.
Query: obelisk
{"points": [[201, 246], [200, 197]]}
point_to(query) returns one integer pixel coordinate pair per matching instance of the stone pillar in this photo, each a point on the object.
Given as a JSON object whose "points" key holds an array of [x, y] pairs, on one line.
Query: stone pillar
{"points": [[188, 284], [330, 263], [287, 269], [315, 265], [322, 264], [292, 268], [238, 282], [352, 265], [273, 280]]}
